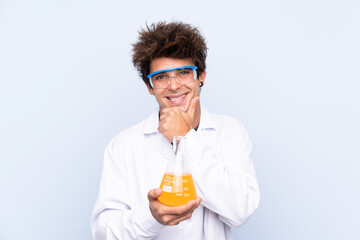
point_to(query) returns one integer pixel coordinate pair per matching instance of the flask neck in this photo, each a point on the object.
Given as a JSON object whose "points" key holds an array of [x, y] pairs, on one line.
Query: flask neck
{"points": [[179, 145]]}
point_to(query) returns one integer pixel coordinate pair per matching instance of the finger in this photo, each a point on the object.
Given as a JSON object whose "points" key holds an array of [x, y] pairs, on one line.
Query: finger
{"points": [[180, 219], [167, 218], [183, 209], [163, 116], [161, 130], [163, 126], [196, 203], [174, 215], [166, 110], [154, 194], [180, 212], [192, 107], [176, 219]]}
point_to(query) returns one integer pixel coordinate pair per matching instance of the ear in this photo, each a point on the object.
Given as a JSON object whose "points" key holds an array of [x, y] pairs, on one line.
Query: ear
{"points": [[151, 91], [202, 77]]}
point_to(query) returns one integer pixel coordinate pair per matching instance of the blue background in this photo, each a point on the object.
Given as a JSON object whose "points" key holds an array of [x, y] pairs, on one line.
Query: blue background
{"points": [[289, 70]]}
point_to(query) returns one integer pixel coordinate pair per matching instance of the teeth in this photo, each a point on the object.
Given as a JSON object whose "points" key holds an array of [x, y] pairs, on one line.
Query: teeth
{"points": [[176, 98]]}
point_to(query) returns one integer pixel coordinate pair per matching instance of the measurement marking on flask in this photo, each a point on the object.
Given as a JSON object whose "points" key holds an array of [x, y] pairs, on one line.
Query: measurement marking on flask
{"points": [[167, 188]]}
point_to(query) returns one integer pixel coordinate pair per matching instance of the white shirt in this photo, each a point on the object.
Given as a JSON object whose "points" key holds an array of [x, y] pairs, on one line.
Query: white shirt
{"points": [[135, 162]]}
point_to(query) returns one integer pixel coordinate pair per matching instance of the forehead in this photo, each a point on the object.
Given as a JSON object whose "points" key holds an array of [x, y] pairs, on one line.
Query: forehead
{"points": [[162, 63]]}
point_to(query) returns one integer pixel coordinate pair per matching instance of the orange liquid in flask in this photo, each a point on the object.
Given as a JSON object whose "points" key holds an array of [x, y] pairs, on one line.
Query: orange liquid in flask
{"points": [[177, 190]]}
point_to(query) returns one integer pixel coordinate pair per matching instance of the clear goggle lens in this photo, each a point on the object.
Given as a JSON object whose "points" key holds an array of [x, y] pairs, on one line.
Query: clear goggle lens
{"points": [[182, 75]]}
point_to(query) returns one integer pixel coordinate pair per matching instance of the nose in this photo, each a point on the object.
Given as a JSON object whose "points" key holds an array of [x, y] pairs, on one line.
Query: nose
{"points": [[173, 85]]}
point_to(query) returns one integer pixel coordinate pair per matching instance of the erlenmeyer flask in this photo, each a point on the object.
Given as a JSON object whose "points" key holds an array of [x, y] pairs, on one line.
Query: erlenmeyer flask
{"points": [[177, 184]]}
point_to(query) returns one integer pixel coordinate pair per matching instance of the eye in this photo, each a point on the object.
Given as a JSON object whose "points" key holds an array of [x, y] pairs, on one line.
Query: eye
{"points": [[159, 77], [184, 72]]}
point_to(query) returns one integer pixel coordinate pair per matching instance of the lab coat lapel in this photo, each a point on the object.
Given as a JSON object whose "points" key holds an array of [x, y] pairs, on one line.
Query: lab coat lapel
{"points": [[166, 147]]}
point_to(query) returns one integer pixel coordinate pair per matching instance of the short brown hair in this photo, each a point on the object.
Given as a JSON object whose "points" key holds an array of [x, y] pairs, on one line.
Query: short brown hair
{"points": [[175, 40]]}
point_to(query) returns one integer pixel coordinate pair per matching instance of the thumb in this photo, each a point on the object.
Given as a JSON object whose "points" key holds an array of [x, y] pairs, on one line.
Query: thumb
{"points": [[192, 107], [154, 193]]}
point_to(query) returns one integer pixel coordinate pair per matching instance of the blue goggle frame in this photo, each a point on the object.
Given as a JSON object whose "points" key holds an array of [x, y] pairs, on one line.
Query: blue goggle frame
{"points": [[171, 69]]}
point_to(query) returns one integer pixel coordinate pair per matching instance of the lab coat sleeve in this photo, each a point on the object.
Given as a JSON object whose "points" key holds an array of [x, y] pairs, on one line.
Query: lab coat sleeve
{"points": [[113, 216], [225, 179]]}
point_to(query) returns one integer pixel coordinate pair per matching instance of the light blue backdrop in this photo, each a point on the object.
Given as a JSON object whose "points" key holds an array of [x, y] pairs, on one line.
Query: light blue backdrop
{"points": [[289, 70]]}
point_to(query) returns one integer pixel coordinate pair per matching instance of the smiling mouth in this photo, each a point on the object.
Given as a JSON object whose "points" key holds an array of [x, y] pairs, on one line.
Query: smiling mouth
{"points": [[177, 99]]}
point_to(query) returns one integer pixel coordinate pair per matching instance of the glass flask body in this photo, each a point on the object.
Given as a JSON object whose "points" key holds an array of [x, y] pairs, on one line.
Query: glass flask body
{"points": [[177, 184]]}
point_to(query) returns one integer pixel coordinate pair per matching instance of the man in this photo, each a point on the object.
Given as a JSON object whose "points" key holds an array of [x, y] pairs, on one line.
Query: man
{"points": [[170, 58]]}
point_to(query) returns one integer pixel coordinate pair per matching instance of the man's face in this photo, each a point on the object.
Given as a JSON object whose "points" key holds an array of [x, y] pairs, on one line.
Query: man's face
{"points": [[175, 95]]}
